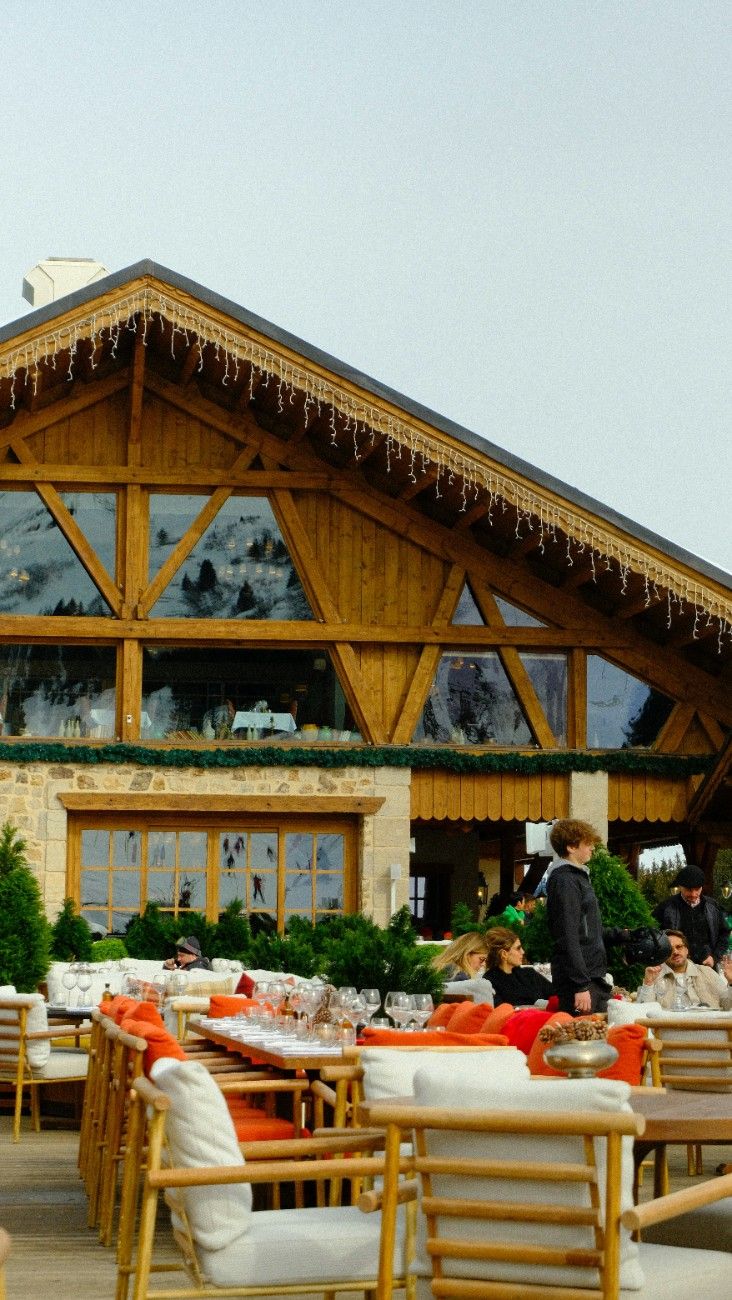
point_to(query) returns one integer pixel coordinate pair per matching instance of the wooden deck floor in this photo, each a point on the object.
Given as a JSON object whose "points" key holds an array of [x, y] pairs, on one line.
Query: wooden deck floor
{"points": [[42, 1205]]}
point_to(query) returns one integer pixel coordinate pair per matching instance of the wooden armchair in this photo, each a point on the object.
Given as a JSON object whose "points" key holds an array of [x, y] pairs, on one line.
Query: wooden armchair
{"points": [[534, 1200], [4, 1252], [227, 1249], [27, 1058]]}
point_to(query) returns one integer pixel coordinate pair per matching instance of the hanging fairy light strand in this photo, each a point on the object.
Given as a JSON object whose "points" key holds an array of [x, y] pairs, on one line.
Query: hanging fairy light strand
{"points": [[347, 412]]}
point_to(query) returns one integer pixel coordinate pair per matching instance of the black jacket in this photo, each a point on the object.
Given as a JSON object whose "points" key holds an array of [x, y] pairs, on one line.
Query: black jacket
{"points": [[575, 925], [522, 987], [704, 925]]}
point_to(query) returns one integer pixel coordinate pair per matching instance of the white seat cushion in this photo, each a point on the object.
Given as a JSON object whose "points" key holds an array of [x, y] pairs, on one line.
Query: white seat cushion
{"points": [[37, 1053], [302, 1246], [671, 1270], [64, 1063], [620, 1012], [389, 1071]]}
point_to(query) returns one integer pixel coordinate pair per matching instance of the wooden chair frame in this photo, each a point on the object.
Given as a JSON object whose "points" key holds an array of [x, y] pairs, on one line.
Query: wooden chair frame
{"points": [[309, 1160], [14, 1067], [4, 1252], [674, 1056]]}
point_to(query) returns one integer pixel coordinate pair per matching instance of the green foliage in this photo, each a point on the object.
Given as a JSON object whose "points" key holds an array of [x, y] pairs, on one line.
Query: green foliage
{"points": [[462, 920], [233, 934], [152, 936], [290, 952], [535, 936], [621, 903], [24, 930], [655, 882], [71, 937], [722, 877], [357, 952], [108, 950]]}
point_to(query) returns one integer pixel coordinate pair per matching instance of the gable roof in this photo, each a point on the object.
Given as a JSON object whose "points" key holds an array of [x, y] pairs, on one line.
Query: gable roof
{"points": [[456, 478]]}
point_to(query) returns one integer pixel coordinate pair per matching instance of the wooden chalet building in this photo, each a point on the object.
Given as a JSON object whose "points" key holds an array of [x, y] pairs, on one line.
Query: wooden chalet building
{"points": [[271, 631]]}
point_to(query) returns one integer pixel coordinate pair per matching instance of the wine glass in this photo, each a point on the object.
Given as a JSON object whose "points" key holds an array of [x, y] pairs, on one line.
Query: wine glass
{"points": [[276, 997], [177, 983], [395, 1004], [422, 1008], [68, 979], [84, 980], [372, 998], [357, 1013], [260, 994]]}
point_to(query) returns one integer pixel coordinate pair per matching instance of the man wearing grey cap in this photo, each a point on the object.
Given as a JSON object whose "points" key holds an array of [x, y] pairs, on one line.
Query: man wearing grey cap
{"points": [[697, 916], [188, 956]]}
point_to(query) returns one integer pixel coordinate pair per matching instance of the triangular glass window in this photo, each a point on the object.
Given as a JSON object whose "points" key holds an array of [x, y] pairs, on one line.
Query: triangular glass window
{"points": [[472, 702], [622, 712], [39, 571], [96, 515], [548, 676], [515, 617], [239, 568], [467, 613]]}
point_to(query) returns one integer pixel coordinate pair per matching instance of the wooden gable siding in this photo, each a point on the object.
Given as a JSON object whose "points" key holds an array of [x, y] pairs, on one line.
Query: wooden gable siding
{"points": [[374, 576], [634, 797], [498, 796], [172, 439], [96, 435]]}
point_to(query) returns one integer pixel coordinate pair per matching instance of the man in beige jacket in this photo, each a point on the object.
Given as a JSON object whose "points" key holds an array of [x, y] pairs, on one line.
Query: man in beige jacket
{"points": [[681, 983]]}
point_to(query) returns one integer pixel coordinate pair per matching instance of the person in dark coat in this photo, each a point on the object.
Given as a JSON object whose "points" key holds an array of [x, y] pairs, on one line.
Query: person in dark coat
{"points": [[188, 956], [579, 957], [699, 917], [511, 980]]}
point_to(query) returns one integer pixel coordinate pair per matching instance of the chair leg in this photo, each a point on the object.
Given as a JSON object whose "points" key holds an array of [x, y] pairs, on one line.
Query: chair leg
{"points": [[35, 1109]]}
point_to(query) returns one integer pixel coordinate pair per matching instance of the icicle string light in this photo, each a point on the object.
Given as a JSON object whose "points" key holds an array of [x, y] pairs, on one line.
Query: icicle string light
{"points": [[236, 349]]}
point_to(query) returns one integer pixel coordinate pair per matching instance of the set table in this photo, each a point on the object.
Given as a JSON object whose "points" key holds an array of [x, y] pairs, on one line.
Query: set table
{"points": [[288, 1055]]}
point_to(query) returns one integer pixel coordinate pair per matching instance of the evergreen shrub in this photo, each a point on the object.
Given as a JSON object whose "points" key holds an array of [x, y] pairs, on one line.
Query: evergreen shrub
{"points": [[24, 931], [232, 936], [108, 950], [71, 936]]}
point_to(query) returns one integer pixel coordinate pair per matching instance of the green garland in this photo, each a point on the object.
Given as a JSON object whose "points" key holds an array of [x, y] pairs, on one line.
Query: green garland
{"points": [[560, 762]]}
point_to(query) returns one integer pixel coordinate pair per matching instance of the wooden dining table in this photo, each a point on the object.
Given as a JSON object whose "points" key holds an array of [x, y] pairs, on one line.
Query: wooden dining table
{"points": [[674, 1116], [308, 1059]]}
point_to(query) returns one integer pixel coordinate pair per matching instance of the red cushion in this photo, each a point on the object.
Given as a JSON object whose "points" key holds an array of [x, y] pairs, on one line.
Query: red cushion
{"points": [[522, 1027], [493, 1024], [470, 1017], [245, 985], [221, 1005], [443, 1014]]}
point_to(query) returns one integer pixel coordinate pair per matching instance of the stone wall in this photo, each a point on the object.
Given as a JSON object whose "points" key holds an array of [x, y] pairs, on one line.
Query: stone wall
{"points": [[30, 799]]}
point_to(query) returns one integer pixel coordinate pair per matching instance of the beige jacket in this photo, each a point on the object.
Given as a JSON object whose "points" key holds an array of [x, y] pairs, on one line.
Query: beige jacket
{"points": [[703, 984]]}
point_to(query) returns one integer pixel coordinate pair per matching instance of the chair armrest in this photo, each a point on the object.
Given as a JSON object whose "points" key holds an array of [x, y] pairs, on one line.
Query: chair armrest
{"points": [[320, 1143], [668, 1207], [273, 1171], [4, 1246], [319, 1089], [243, 1084], [61, 1031], [368, 1202]]}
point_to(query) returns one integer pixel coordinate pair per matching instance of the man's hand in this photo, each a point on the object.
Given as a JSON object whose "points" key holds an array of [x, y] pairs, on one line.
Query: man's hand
{"points": [[583, 1001], [727, 968], [651, 974], [169, 964], [708, 961]]}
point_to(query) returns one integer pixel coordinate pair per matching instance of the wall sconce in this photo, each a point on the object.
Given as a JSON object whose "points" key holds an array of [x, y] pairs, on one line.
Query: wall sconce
{"points": [[726, 889]]}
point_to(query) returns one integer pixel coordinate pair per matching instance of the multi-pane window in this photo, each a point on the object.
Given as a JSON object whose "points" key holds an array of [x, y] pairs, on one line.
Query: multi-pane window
{"points": [[57, 690], [118, 865]]}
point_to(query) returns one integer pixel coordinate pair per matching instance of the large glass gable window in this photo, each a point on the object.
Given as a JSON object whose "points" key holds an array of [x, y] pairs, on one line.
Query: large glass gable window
{"points": [[231, 694], [622, 712], [472, 702], [239, 568]]}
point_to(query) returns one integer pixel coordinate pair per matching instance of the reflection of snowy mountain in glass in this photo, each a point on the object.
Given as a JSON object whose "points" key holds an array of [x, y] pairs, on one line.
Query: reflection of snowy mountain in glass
{"points": [[240, 568], [472, 702], [39, 572]]}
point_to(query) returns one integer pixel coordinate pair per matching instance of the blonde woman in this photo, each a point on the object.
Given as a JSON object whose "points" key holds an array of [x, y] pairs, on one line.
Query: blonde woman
{"points": [[464, 958], [512, 981]]}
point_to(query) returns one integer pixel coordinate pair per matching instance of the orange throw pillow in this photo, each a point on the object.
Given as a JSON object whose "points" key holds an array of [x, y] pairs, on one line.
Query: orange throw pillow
{"points": [[122, 1006], [493, 1024], [443, 1014], [440, 1038], [535, 1060], [159, 1041], [470, 1017], [222, 1004], [629, 1040]]}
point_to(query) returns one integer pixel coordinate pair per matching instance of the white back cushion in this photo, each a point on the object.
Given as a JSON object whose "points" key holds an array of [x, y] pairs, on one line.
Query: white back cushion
{"points": [[200, 1133], [479, 990], [620, 1012], [438, 1087], [37, 1054], [389, 1071]]}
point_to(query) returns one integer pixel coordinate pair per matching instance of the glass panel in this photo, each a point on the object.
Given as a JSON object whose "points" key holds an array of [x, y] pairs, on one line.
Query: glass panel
{"points": [[263, 849], [96, 515], [170, 518], [515, 617], [330, 853], [39, 572], [298, 891], [263, 890], [472, 702], [126, 848], [233, 851], [274, 695], [161, 887], [120, 921], [94, 848], [467, 612], [57, 690], [622, 711], [329, 892], [192, 890], [232, 884], [126, 889], [97, 918], [548, 674], [239, 568], [94, 887], [299, 851], [161, 849]]}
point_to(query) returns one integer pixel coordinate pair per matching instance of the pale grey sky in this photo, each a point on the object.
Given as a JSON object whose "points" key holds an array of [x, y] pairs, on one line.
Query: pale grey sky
{"points": [[514, 211]]}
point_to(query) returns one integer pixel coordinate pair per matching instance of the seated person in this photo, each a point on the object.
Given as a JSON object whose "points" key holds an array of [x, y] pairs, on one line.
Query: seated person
{"points": [[680, 981], [464, 958], [512, 981], [188, 956]]}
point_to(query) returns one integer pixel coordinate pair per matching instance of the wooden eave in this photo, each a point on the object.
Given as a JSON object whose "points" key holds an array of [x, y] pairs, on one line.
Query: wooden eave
{"points": [[553, 576], [714, 795]]}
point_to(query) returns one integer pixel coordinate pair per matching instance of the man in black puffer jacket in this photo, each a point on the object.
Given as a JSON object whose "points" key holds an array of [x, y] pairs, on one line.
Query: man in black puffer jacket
{"points": [[697, 916], [579, 959]]}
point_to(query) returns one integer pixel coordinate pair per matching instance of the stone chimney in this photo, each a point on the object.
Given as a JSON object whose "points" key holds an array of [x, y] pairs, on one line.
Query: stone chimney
{"points": [[56, 276]]}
